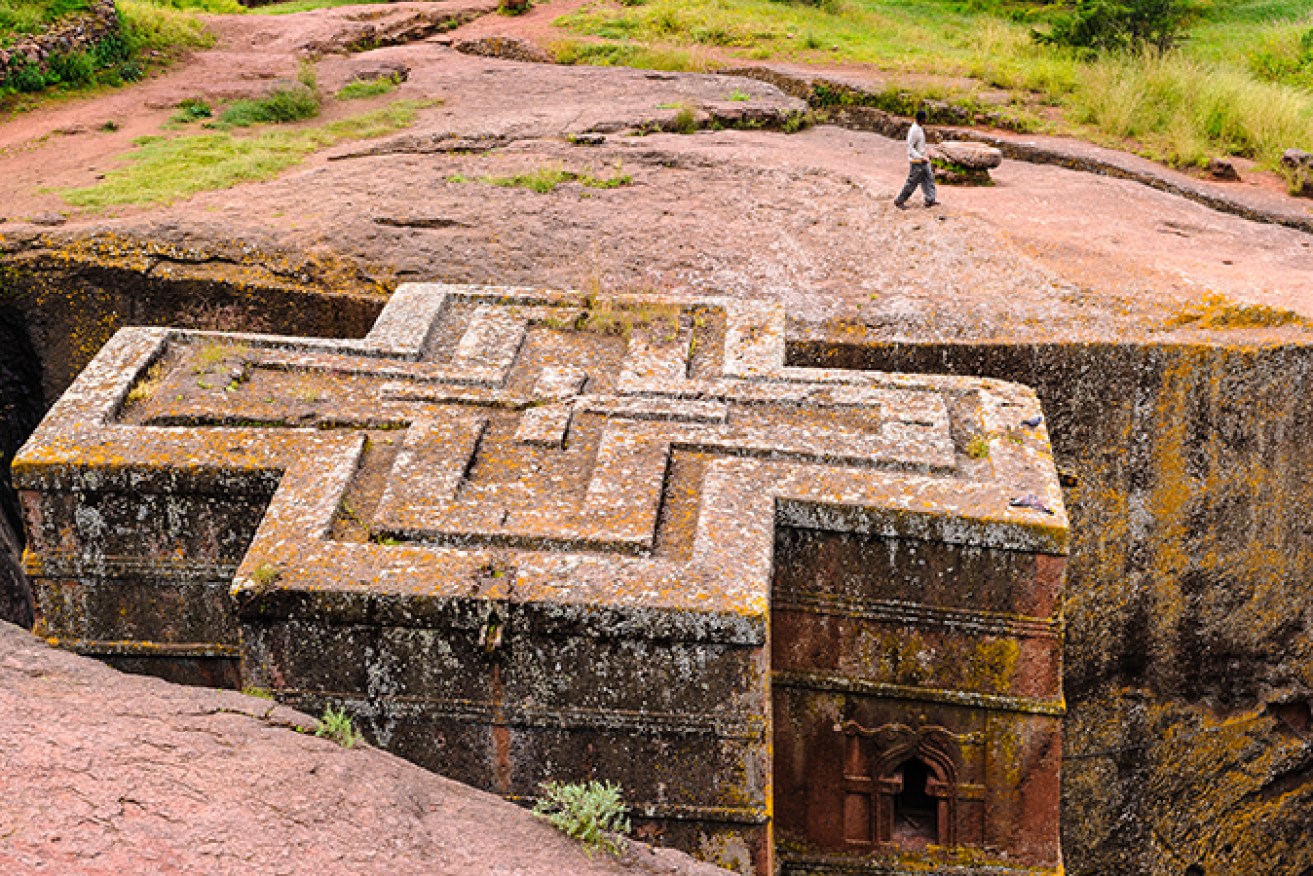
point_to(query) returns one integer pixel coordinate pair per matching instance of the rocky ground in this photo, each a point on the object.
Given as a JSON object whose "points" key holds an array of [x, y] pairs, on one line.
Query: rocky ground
{"points": [[805, 217], [105, 774]]}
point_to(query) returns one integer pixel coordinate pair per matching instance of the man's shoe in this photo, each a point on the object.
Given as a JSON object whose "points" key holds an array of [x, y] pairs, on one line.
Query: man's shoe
{"points": [[932, 203], [900, 206]]}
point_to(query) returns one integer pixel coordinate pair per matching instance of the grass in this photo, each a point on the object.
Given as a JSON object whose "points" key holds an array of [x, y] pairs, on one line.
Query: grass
{"points": [[547, 178], [294, 6], [336, 725], [152, 33], [162, 170], [33, 16], [291, 103], [591, 812], [145, 388], [266, 574], [366, 88], [192, 109], [1241, 84]]}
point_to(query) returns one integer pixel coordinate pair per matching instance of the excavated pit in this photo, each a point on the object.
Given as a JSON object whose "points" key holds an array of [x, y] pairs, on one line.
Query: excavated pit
{"points": [[1185, 469]]}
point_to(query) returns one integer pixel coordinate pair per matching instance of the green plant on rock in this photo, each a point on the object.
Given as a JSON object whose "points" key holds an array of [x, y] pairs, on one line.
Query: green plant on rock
{"points": [[592, 812], [978, 447], [336, 724]]}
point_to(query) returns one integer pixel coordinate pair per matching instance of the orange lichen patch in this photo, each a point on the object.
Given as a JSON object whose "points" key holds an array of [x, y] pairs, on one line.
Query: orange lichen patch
{"points": [[1217, 311]]}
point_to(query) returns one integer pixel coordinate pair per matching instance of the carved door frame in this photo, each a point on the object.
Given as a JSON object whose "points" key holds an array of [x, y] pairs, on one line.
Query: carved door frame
{"points": [[871, 784]]}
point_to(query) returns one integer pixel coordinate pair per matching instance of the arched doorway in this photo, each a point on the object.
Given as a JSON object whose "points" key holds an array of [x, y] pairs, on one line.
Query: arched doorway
{"points": [[915, 813]]}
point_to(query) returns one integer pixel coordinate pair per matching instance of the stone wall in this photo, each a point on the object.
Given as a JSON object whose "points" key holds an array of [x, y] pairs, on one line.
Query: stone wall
{"points": [[1189, 658], [64, 303], [79, 33]]}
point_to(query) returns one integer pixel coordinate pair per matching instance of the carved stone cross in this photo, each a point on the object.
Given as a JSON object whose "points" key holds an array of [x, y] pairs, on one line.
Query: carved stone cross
{"points": [[527, 535]]}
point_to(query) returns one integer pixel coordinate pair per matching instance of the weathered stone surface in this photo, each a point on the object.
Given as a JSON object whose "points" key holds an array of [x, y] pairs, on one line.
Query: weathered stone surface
{"points": [[1189, 653], [107, 774], [508, 48], [973, 156], [1300, 163], [527, 536]]}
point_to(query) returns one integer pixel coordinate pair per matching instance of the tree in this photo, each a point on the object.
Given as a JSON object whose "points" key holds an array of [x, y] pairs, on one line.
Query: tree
{"points": [[1111, 25]]}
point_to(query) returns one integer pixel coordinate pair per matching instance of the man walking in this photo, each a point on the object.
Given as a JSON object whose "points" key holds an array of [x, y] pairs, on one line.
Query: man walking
{"points": [[920, 172]]}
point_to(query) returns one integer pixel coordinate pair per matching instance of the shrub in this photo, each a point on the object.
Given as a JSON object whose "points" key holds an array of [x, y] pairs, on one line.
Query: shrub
{"points": [[28, 79], [74, 69], [363, 88], [281, 106], [192, 109], [589, 812], [1109, 25]]}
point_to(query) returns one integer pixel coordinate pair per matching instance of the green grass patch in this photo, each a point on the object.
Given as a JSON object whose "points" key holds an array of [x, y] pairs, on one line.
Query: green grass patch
{"points": [[283, 105], [547, 178], [293, 6], [365, 88], [163, 170]]}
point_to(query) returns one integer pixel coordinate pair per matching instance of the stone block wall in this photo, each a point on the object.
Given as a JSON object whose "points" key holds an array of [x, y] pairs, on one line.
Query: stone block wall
{"points": [[80, 33]]}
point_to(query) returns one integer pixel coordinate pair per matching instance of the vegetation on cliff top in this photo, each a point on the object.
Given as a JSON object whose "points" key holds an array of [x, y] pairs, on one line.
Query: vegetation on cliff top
{"points": [[165, 169], [1239, 82]]}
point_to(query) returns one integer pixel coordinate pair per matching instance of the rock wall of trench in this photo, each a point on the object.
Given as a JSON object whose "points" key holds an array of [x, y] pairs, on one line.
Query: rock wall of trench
{"points": [[1189, 653], [65, 302], [20, 410]]}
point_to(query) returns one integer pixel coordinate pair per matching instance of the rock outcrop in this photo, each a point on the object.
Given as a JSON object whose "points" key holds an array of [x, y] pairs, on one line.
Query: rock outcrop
{"points": [[105, 773]]}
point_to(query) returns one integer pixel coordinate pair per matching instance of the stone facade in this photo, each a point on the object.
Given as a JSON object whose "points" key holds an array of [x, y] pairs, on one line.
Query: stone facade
{"points": [[80, 33], [806, 617]]}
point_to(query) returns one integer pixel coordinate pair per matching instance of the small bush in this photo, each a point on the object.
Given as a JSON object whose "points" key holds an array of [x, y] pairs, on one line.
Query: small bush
{"points": [[1110, 25], [685, 120], [191, 110], [280, 107], [590, 812], [29, 79], [337, 726]]}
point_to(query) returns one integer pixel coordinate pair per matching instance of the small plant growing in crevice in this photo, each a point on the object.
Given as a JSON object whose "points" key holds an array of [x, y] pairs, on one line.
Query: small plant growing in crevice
{"points": [[144, 388], [685, 120], [978, 447], [592, 812], [336, 724], [266, 574]]}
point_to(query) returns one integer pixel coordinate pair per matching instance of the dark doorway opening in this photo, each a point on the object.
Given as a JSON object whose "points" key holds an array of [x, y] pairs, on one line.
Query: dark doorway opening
{"points": [[916, 813]]}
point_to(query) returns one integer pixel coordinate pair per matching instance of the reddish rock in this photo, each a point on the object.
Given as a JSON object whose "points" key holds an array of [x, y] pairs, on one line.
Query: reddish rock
{"points": [[104, 774]]}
